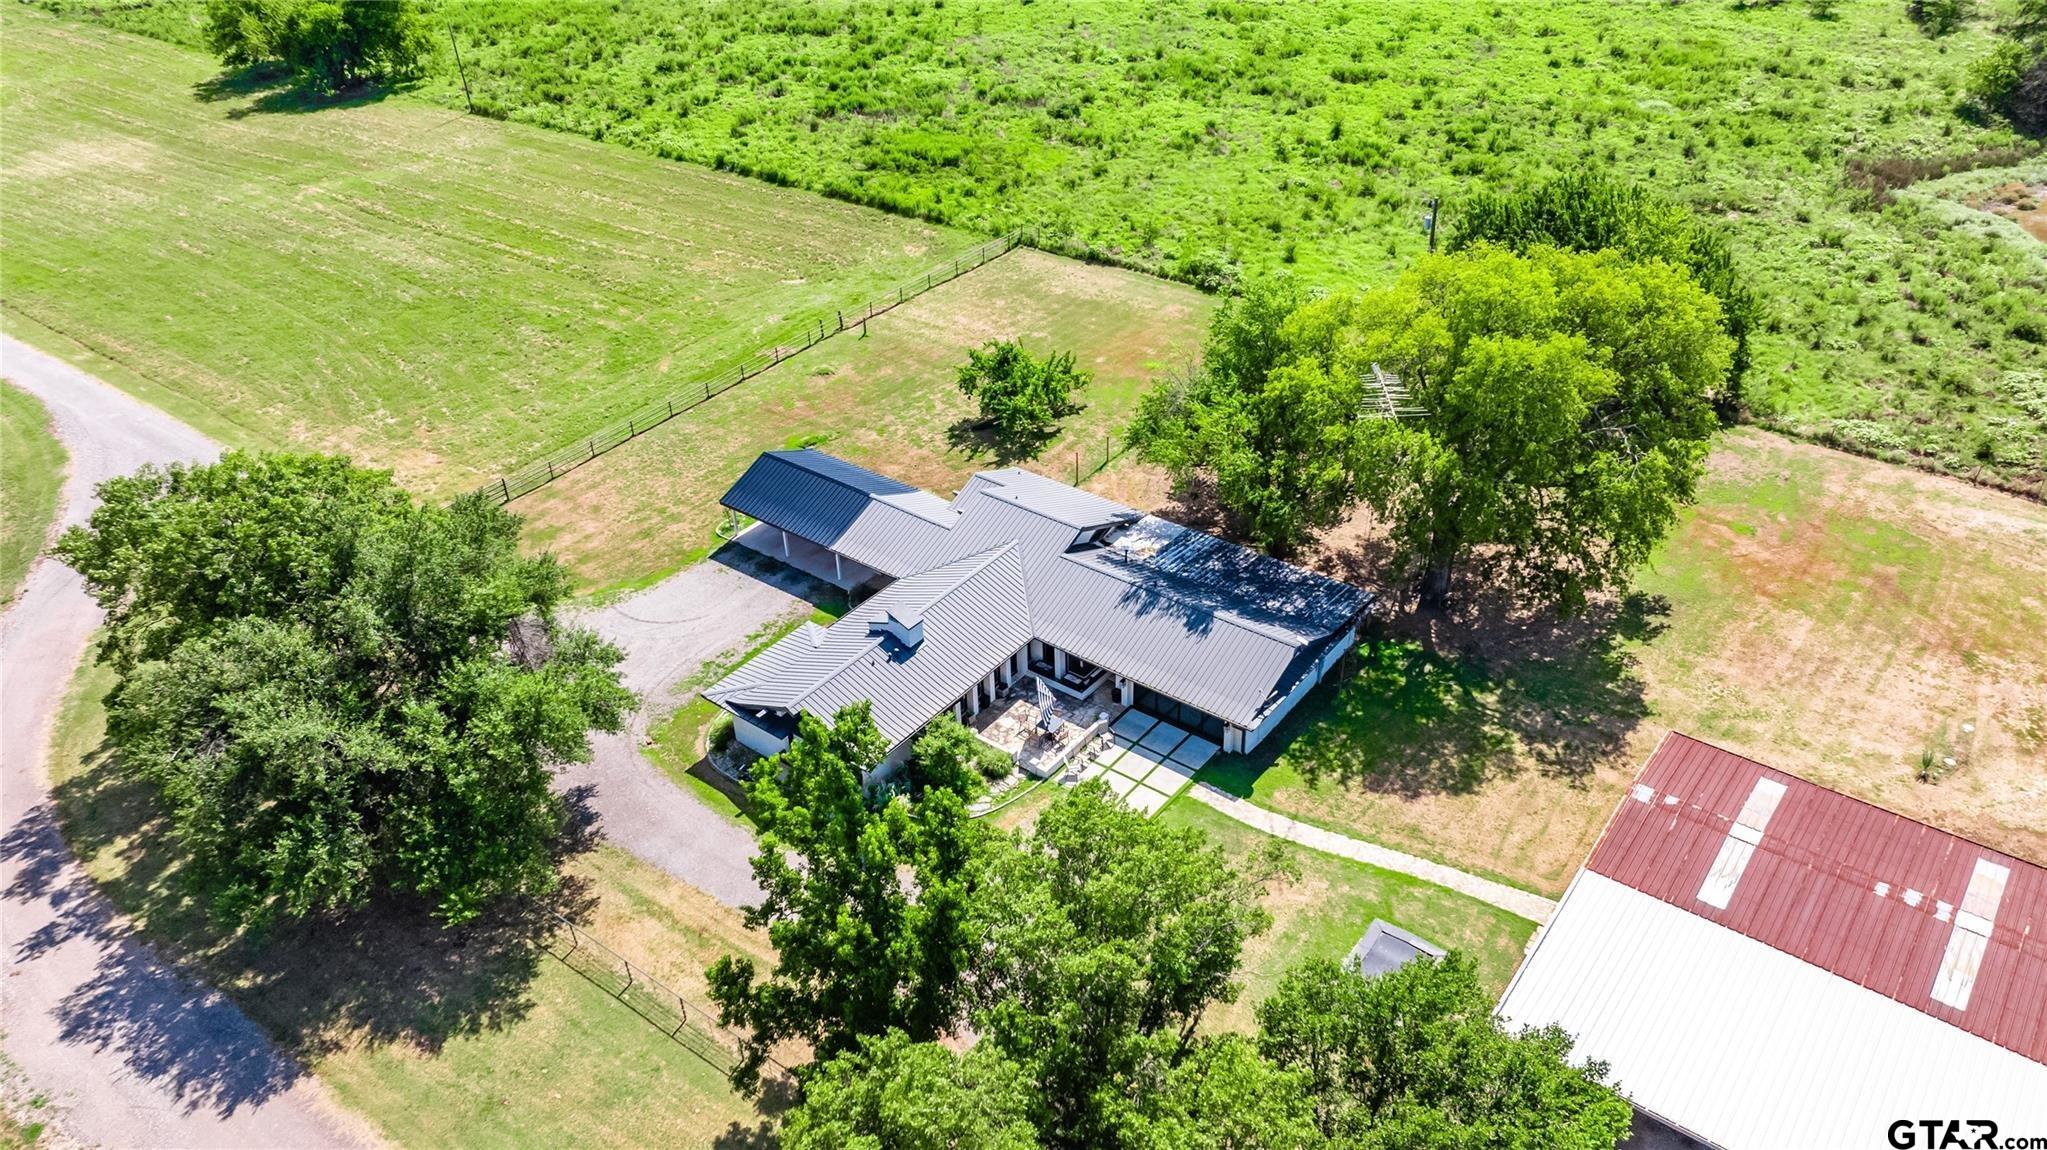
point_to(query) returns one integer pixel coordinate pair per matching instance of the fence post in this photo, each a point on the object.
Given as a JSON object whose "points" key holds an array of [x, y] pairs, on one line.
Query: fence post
{"points": [[593, 449], [507, 486], [550, 470], [630, 429]]}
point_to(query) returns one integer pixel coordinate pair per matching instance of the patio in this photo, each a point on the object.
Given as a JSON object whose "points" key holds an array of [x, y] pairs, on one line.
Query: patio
{"points": [[1012, 725], [1149, 761]]}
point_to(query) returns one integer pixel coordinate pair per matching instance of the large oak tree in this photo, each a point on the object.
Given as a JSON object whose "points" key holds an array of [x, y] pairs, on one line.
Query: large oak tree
{"points": [[337, 690], [1565, 411]]}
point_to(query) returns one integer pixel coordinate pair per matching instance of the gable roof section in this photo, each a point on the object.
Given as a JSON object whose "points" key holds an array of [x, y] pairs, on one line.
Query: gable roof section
{"points": [[1861, 892], [1765, 962], [869, 518], [972, 616], [1048, 497]]}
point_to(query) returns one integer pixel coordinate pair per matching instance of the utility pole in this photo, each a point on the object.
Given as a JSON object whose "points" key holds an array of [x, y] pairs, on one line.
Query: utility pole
{"points": [[461, 71], [1429, 222]]}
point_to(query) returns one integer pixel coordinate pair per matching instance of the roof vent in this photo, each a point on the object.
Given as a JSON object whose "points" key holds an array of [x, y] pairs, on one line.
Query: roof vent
{"points": [[907, 631]]}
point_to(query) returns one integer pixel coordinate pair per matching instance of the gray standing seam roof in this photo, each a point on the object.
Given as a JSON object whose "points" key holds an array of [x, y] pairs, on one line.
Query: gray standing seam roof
{"points": [[1195, 617], [972, 616]]}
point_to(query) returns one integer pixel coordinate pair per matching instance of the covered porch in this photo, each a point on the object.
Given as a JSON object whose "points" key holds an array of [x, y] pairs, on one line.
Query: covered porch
{"points": [[1016, 723], [813, 559]]}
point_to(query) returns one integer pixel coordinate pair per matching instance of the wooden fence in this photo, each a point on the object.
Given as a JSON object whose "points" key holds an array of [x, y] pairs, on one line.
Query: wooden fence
{"points": [[546, 469]]}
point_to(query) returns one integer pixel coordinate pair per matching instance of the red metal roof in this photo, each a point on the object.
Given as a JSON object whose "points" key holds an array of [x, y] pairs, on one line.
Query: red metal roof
{"points": [[1811, 886]]}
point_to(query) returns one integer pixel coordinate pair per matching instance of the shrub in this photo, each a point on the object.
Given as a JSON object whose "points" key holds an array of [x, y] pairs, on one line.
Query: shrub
{"points": [[325, 45], [721, 732], [1021, 395]]}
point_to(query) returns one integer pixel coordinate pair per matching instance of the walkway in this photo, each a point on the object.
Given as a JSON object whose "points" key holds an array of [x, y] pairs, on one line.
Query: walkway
{"points": [[130, 1052], [1533, 907]]}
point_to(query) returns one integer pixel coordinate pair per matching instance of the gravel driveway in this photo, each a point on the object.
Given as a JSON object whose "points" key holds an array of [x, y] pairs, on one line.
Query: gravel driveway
{"points": [[669, 632], [130, 1052]]}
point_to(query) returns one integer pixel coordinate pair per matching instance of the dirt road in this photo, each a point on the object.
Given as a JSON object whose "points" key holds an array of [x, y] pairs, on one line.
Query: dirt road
{"points": [[129, 1052]]}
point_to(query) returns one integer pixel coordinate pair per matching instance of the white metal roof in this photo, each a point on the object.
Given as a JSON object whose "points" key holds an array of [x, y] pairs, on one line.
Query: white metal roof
{"points": [[1744, 1045]]}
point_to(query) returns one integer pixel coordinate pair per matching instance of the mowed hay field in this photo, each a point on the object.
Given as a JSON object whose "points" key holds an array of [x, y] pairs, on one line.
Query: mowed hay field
{"points": [[886, 401], [441, 294], [465, 1038], [1831, 615]]}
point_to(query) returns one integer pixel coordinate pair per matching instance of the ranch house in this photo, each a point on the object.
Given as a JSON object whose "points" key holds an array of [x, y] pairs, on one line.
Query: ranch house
{"points": [[1022, 577]]}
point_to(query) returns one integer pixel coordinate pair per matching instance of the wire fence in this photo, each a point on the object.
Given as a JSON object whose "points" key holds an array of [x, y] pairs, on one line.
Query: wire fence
{"points": [[809, 334], [689, 1024], [1088, 457]]}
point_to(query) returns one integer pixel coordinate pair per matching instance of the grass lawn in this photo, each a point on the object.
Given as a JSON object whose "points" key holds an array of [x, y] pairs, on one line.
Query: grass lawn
{"points": [[31, 475], [441, 294], [887, 401], [465, 1038], [1194, 138], [1830, 615], [1325, 913]]}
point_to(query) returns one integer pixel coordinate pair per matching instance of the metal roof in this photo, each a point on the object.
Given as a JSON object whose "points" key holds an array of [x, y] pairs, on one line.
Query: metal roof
{"points": [[1765, 962], [869, 518], [1048, 497], [1203, 620], [1742, 1045], [966, 616], [1854, 889]]}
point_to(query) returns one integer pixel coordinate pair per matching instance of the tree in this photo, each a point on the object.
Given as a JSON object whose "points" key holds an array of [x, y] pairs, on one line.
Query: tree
{"points": [[890, 1093], [1223, 1095], [948, 754], [1415, 1059], [1267, 426], [1023, 396], [1589, 212], [1937, 17], [2012, 79], [1565, 412], [326, 45], [869, 921], [336, 690], [1107, 938]]}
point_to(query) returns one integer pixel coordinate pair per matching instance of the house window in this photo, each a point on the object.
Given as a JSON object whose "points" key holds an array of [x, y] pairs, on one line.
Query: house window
{"points": [[1179, 714]]}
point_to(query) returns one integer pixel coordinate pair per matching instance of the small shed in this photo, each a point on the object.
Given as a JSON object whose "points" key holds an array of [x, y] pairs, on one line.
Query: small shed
{"points": [[1386, 947]]}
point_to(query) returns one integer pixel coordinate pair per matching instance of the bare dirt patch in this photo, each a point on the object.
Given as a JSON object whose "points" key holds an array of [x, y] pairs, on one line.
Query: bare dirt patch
{"points": [[2023, 203], [1831, 615]]}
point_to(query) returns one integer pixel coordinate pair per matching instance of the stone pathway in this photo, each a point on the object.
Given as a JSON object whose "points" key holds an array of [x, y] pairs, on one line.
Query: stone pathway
{"points": [[1514, 900]]}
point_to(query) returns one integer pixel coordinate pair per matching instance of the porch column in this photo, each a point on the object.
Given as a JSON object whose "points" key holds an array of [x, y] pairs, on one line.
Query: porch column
{"points": [[1126, 691], [991, 684], [1058, 663], [785, 544], [838, 574]]}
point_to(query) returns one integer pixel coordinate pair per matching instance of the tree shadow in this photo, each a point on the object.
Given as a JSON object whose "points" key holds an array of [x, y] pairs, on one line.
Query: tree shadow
{"points": [[981, 438], [385, 974], [267, 88], [778, 1093], [1435, 704]]}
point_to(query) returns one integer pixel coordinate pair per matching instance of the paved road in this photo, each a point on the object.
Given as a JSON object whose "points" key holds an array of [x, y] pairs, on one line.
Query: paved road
{"points": [[131, 1053], [1533, 907], [669, 632]]}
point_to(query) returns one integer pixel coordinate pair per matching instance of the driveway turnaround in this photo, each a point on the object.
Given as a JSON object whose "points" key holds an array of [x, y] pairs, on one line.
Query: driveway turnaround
{"points": [[130, 1052], [668, 633]]}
